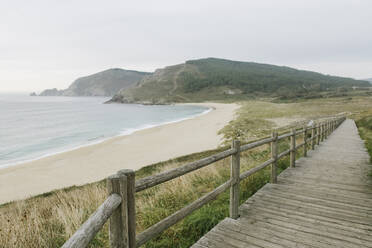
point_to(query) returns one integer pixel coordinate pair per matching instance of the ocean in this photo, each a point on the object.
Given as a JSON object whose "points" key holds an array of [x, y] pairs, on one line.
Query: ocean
{"points": [[35, 127]]}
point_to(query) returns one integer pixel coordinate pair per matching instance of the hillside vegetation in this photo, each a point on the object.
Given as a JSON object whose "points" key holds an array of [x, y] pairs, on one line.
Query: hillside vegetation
{"points": [[105, 83], [50, 219], [220, 79], [364, 123]]}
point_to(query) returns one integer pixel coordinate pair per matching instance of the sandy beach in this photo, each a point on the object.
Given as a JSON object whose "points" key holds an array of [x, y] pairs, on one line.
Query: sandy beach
{"points": [[95, 162]]}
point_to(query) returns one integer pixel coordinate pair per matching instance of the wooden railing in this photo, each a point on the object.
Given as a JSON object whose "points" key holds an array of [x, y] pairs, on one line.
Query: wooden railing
{"points": [[119, 207]]}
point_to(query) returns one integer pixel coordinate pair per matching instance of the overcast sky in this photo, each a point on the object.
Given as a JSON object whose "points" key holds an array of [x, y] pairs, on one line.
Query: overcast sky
{"points": [[46, 44]]}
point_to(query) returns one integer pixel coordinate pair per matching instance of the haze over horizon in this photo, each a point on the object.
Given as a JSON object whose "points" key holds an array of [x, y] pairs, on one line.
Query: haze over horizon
{"points": [[48, 44]]}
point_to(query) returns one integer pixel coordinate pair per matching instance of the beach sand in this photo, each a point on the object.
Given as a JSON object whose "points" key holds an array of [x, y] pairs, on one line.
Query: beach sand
{"points": [[95, 162]]}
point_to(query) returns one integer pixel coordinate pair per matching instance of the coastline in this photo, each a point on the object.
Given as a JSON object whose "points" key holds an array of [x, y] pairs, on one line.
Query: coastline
{"points": [[122, 133], [132, 151]]}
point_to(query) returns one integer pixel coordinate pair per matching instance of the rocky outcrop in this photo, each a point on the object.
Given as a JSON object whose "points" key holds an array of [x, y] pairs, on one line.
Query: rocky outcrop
{"points": [[51, 92]]}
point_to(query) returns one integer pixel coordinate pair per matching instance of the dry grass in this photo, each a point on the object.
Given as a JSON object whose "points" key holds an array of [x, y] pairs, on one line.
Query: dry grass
{"points": [[258, 118], [48, 220]]}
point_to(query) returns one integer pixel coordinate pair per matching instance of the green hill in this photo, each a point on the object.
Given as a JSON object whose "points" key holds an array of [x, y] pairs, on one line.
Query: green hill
{"points": [[217, 79], [104, 83]]}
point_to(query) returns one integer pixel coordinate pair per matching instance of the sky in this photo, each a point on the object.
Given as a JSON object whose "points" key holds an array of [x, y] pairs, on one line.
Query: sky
{"points": [[48, 44]]}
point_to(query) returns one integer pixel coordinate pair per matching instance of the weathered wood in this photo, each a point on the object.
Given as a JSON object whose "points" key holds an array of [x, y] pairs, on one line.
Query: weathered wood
{"points": [[164, 224], [255, 169], [120, 204], [284, 153], [318, 134], [299, 132], [151, 181], [274, 156], [324, 131], [235, 180], [88, 230], [293, 149], [313, 137], [285, 135], [305, 142], [118, 225], [256, 144], [300, 145], [131, 206], [324, 202]]}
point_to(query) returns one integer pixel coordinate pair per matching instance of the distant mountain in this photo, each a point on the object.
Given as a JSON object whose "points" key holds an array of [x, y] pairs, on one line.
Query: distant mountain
{"points": [[216, 79], [105, 83]]}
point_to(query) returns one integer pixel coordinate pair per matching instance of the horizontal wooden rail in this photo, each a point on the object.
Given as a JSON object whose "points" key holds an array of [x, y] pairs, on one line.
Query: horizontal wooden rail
{"points": [[256, 169], [300, 145], [152, 181], [164, 224], [286, 152], [283, 136], [120, 204], [256, 144], [88, 230]]}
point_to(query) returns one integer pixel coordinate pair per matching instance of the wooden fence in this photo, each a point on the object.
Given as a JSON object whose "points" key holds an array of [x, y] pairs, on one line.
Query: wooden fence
{"points": [[119, 207]]}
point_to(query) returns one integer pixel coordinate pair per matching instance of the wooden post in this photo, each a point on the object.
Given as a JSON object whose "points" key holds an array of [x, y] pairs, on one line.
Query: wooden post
{"points": [[322, 132], [131, 190], [334, 124], [318, 134], [274, 156], [305, 142], [293, 148], [235, 178], [327, 130], [313, 137], [118, 232]]}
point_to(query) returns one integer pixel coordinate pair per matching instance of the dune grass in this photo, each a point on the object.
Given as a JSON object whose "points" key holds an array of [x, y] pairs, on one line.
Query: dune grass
{"points": [[50, 219], [365, 130]]}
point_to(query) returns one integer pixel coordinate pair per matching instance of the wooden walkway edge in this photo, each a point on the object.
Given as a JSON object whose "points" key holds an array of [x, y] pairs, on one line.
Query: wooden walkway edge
{"points": [[325, 201]]}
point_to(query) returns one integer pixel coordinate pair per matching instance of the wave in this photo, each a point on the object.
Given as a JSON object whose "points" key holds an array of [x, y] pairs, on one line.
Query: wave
{"points": [[102, 138]]}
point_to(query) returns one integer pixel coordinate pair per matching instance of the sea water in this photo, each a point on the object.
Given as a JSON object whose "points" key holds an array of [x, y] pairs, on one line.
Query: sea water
{"points": [[35, 127]]}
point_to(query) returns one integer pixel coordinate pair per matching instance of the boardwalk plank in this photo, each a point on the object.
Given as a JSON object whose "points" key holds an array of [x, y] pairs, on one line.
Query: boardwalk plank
{"points": [[325, 201], [315, 226]]}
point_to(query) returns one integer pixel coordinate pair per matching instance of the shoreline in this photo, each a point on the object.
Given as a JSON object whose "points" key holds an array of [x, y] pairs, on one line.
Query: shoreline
{"points": [[97, 161], [121, 134]]}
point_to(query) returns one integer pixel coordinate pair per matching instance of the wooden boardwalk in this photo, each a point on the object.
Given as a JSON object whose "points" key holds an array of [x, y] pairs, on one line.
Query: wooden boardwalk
{"points": [[326, 201]]}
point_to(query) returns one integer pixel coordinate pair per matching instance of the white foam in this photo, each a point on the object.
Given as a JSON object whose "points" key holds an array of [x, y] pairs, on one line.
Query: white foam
{"points": [[122, 133]]}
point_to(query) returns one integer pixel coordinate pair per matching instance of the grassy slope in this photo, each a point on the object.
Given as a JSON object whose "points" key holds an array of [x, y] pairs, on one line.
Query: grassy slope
{"points": [[219, 79], [364, 123], [48, 220]]}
